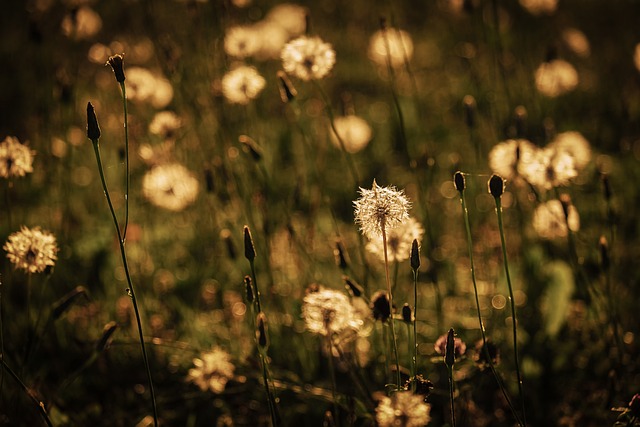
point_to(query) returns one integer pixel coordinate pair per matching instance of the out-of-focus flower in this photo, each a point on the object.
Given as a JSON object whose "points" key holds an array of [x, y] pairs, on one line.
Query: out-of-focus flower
{"points": [[549, 168], [16, 159], [291, 17], [636, 56], [538, 7], [144, 86], [354, 131], [170, 186], [329, 312], [403, 409], [32, 249], [164, 124], [506, 157], [573, 144], [241, 41], [440, 345], [380, 207], [576, 41], [242, 84], [272, 38], [399, 241], [308, 58], [391, 44], [549, 220], [212, 370], [81, 24], [556, 77]]}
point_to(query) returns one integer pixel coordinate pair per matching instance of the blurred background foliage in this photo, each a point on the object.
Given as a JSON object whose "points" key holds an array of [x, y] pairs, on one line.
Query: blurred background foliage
{"points": [[297, 198]]}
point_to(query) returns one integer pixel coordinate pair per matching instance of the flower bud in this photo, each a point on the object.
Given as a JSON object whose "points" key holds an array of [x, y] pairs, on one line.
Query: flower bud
{"points": [[262, 331], [353, 288], [287, 90], [93, 130], [496, 186], [415, 255], [249, 288], [450, 354], [406, 313], [117, 64], [103, 343], [458, 181], [249, 249]]}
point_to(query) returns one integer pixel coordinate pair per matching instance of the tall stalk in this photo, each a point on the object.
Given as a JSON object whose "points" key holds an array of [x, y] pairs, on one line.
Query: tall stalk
{"points": [[93, 133], [393, 327], [496, 188], [415, 266], [459, 182]]}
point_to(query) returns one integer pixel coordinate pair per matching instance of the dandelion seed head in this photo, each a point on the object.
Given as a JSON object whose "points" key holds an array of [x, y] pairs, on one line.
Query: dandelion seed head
{"points": [[574, 145], [242, 84], [16, 159], [241, 41], [539, 7], [145, 86], [397, 45], [403, 409], [399, 241], [549, 220], [308, 58], [291, 17], [164, 124], [31, 249], [506, 157], [577, 41], [212, 370], [555, 78], [354, 131], [81, 24], [170, 186], [548, 168], [329, 312], [380, 207]]}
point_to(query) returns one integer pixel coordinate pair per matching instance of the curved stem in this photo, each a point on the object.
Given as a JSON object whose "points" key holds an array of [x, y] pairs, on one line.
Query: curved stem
{"points": [[393, 327], [513, 307], [130, 290], [126, 160], [451, 386], [465, 214], [39, 404]]}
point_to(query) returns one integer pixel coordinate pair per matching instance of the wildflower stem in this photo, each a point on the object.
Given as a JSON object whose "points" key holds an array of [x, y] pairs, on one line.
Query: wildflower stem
{"points": [[255, 286], [393, 327], [348, 159], [39, 404], [332, 372], [451, 387], [126, 160], [131, 291], [270, 398], [414, 360], [465, 214], [513, 306]]}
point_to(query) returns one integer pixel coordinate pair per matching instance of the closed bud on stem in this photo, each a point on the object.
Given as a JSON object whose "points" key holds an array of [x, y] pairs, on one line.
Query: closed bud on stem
{"points": [[496, 186], [262, 331], [63, 304], [469, 103], [406, 313], [458, 181], [93, 130], [117, 64], [251, 147], [103, 343], [249, 289], [353, 288], [565, 200], [287, 91], [450, 354], [604, 253], [415, 255], [249, 249], [341, 258]]}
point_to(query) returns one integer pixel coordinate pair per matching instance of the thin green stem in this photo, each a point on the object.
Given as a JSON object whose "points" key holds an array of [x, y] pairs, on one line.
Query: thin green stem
{"points": [[1, 342], [255, 286], [332, 372], [348, 159], [270, 398], [465, 214], [513, 306], [39, 404], [412, 366], [414, 361], [126, 160], [451, 388], [393, 327], [130, 290]]}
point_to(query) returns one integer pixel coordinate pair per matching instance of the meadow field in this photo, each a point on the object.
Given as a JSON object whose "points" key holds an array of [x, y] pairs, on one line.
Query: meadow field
{"points": [[323, 213]]}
